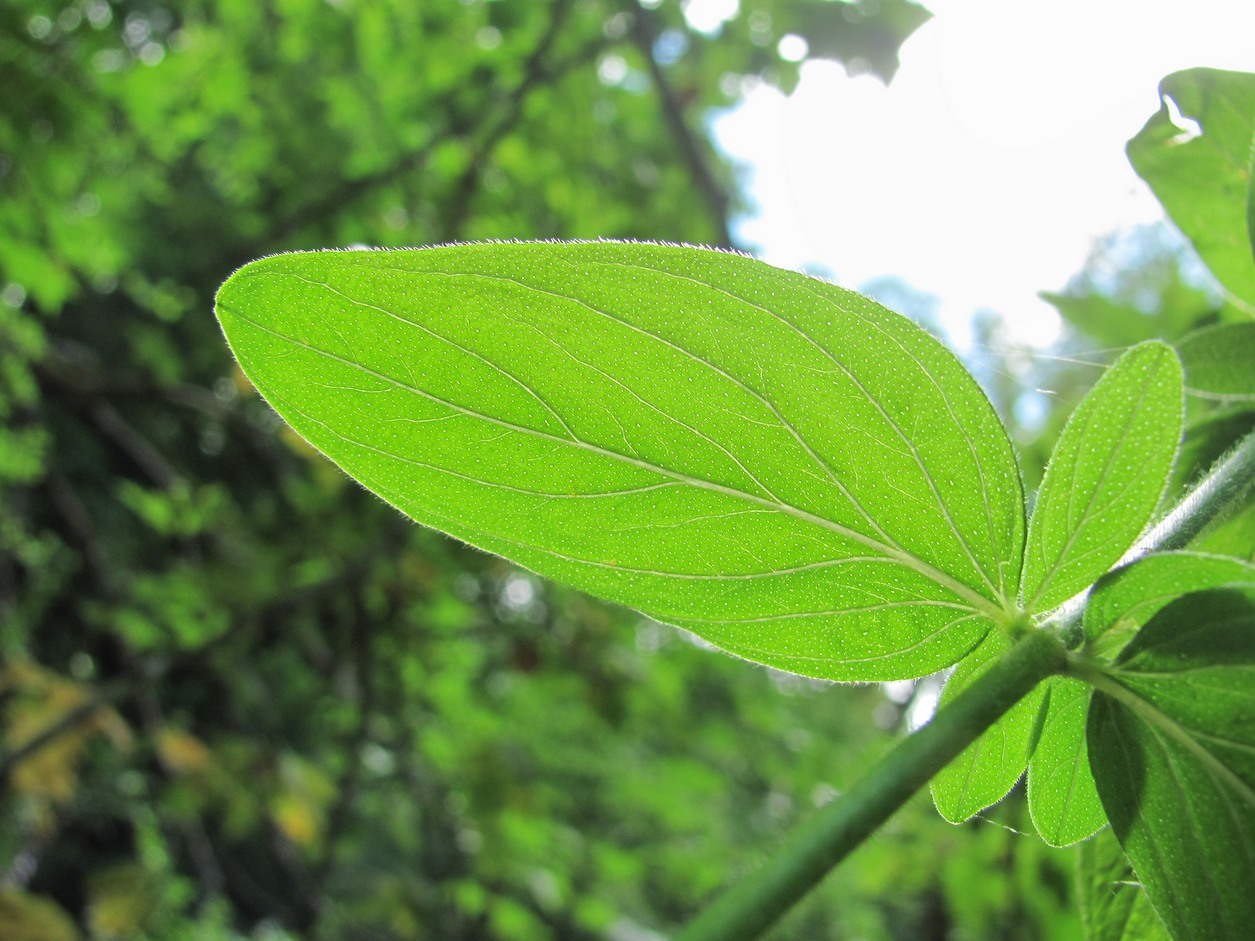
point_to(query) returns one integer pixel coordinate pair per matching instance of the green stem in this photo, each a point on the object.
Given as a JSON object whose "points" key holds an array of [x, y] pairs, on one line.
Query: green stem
{"points": [[1222, 489], [745, 910], [1216, 494]]}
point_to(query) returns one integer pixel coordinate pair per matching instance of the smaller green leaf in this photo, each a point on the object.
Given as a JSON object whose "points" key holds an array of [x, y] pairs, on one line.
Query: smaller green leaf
{"points": [[1202, 178], [1172, 740], [1062, 798], [1130, 596], [1106, 476], [1113, 906], [1219, 361], [1112, 320], [988, 768]]}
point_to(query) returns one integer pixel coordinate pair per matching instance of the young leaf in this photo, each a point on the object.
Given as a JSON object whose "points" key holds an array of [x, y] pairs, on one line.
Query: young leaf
{"points": [[1128, 597], [1106, 475], [1172, 741], [1062, 799], [988, 768], [1219, 361], [1201, 178], [1113, 906], [778, 465]]}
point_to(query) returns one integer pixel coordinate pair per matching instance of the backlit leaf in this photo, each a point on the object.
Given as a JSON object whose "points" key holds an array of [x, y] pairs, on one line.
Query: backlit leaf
{"points": [[1219, 361], [1106, 476], [776, 464], [1128, 597], [1172, 741], [988, 768], [1062, 798], [1198, 164]]}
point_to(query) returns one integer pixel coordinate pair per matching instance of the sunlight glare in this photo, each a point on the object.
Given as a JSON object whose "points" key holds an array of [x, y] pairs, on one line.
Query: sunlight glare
{"points": [[986, 170]]}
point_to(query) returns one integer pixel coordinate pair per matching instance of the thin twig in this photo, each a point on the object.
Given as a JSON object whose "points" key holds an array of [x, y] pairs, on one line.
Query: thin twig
{"points": [[534, 73], [645, 35], [68, 722]]}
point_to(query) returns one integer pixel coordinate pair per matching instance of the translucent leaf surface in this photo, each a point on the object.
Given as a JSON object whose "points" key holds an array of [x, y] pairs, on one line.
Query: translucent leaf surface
{"points": [[1172, 740], [1195, 154], [987, 769], [781, 466], [1113, 905], [1131, 595], [1062, 798], [1219, 361], [1106, 476]]}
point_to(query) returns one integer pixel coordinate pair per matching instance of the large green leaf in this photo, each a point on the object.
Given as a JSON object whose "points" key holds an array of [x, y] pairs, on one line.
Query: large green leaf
{"points": [[1172, 740], [1219, 361], [1062, 798], [1106, 476], [1128, 597], [781, 466], [1202, 180], [988, 768], [1113, 906]]}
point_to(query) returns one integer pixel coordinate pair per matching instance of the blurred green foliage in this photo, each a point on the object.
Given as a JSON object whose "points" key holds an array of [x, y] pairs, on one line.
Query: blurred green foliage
{"points": [[242, 698]]}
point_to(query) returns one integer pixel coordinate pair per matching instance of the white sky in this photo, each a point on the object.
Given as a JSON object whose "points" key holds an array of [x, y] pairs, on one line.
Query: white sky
{"points": [[984, 172]]}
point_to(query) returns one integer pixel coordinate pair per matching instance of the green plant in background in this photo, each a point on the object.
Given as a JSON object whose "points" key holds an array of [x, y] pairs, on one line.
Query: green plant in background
{"points": [[239, 697], [812, 482]]}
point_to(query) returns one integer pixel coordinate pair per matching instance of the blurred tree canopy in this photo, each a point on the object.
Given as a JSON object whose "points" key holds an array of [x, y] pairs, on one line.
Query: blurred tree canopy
{"points": [[242, 698]]}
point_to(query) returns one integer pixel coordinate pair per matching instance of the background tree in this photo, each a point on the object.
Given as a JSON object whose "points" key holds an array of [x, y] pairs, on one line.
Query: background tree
{"points": [[244, 698]]}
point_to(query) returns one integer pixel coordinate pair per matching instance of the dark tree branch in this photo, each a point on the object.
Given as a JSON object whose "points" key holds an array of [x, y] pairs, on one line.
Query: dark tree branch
{"points": [[134, 445], [65, 500], [209, 873], [534, 72], [644, 36], [349, 781]]}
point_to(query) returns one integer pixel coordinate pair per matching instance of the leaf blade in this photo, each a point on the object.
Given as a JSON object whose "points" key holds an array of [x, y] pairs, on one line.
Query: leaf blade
{"points": [[1201, 179], [1062, 798], [986, 770], [1133, 593], [644, 422], [1106, 476], [1219, 361], [1173, 735]]}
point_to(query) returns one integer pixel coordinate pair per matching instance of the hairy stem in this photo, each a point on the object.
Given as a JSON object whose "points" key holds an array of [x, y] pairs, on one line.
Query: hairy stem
{"points": [[1213, 496], [1219, 491], [747, 909]]}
